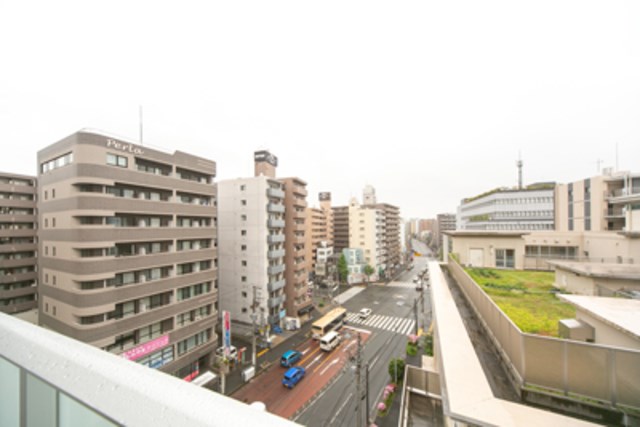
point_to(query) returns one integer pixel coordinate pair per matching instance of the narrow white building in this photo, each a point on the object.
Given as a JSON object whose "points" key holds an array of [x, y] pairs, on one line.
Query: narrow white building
{"points": [[251, 249]]}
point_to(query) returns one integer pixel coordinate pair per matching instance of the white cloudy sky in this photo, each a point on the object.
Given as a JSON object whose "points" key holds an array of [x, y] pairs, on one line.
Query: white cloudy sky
{"points": [[428, 101]]}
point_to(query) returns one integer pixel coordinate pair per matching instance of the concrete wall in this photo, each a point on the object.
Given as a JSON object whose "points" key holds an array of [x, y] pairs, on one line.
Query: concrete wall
{"points": [[464, 245]]}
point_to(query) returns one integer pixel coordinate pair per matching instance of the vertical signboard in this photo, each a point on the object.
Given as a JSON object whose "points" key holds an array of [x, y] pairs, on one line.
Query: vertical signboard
{"points": [[226, 331]]}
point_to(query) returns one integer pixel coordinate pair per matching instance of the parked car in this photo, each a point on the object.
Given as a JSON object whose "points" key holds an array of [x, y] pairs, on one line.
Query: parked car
{"points": [[364, 313], [293, 376], [290, 358]]}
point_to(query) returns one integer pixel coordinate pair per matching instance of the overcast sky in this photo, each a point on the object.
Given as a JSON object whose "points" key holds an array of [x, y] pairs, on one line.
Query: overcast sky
{"points": [[428, 101]]}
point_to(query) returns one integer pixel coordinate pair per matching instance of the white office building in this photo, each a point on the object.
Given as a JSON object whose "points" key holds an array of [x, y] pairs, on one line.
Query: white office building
{"points": [[509, 210]]}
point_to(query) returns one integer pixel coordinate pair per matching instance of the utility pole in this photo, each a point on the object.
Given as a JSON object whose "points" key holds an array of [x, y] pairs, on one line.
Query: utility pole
{"points": [[366, 408], [358, 383], [253, 330], [415, 311]]}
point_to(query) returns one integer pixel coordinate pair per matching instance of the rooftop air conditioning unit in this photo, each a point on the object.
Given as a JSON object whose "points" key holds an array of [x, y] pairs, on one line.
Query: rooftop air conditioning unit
{"points": [[574, 329]]}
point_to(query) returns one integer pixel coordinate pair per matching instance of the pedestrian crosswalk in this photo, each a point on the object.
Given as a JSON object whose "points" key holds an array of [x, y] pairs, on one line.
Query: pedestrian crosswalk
{"points": [[407, 285], [394, 324]]}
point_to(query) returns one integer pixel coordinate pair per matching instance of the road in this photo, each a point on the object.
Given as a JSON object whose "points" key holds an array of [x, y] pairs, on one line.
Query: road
{"points": [[393, 318]]}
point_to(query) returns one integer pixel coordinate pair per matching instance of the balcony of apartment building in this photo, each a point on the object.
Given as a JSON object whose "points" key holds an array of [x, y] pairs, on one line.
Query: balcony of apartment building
{"points": [[275, 238], [275, 208], [275, 254], [275, 223], [276, 301], [623, 195], [82, 370], [276, 285], [299, 190], [276, 193], [273, 270]]}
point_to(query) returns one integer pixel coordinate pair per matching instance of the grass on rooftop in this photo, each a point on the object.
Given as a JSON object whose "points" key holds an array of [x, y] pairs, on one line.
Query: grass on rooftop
{"points": [[527, 297]]}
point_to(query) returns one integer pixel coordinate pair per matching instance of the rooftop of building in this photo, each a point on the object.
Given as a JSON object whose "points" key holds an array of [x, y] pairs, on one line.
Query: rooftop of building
{"points": [[600, 270], [531, 187], [620, 313], [485, 233]]}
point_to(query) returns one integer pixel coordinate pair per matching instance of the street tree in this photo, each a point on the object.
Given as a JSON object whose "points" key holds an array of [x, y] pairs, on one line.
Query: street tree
{"points": [[368, 271], [343, 270]]}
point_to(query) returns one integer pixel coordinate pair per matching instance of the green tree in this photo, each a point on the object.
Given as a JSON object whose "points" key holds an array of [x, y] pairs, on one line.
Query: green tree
{"points": [[343, 270], [368, 271], [396, 370]]}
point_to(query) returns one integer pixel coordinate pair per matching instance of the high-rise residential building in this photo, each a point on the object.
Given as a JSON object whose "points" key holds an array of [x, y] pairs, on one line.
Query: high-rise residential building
{"points": [[526, 209], [340, 228], [325, 204], [261, 232], [251, 244], [298, 303], [127, 250], [391, 246], [609, 202], [366, 232], [18, 243], [319, 233]]}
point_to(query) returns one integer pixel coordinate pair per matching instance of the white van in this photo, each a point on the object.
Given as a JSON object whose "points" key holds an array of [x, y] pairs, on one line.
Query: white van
{"points": [[330, 341]]}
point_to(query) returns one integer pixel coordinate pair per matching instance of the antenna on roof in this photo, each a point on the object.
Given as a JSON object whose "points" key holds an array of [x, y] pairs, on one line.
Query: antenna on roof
{"points": [[519, 163]]}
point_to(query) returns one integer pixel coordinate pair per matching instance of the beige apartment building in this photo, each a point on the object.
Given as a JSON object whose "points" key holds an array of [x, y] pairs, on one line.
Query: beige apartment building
{"points": [[609, 202], [127, 250], [319, 229], [298, 302], [391, 235], [18, 243]]}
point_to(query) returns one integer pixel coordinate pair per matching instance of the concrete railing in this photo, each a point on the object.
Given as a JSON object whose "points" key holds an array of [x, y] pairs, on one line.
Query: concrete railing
{"points": [[609, 375]]}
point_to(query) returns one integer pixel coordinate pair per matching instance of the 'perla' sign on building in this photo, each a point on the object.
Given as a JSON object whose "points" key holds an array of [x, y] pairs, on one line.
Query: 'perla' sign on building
{"points": [[265, 156], [129, 148]]}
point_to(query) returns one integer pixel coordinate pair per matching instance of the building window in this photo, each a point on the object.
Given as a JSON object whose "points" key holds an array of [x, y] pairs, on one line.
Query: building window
{"points": [[46, 222], [243, 202], [243, 247], [54, 281], [243, 187], [54, 251], [54, 310], [53, 193], [53, 222], [46, 195], [505, 258], [244, 263], [56, 163], [115, 160], [243, 232], [243, 217], [244, 279], [244, 294]]}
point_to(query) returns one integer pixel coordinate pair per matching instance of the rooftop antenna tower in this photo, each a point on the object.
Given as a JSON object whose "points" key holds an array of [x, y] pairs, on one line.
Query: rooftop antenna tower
{"points": [[519, 163]]}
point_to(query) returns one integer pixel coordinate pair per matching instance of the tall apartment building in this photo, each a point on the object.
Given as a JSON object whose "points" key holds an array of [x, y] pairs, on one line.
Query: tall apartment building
{"points": [[366, 232], [251, 244], [340, 228], [509, 210], [609, 202], [127, 250], [319, 230], [391, 245], [18, 243], [298, 303]]}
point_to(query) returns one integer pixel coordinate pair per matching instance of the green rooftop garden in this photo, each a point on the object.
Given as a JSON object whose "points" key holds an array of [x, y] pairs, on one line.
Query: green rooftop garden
{"points": [[527, 297]]}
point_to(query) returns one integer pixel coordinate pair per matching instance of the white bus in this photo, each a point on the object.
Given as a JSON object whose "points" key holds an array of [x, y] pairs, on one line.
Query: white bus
{"points": [[331, 321]]}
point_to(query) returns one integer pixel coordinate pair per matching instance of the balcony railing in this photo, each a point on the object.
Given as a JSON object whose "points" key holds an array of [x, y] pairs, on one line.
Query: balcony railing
{"points": [[275, 269], [275, 238], [275, 193], [275, 223], [274, 286]]}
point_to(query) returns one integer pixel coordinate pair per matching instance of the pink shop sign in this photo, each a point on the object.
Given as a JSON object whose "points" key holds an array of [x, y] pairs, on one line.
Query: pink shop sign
{"points": [[146, 348]]}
